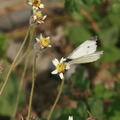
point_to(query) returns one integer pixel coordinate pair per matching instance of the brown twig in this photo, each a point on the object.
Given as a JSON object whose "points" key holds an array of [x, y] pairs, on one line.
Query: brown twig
{"points": [[94, 25]]}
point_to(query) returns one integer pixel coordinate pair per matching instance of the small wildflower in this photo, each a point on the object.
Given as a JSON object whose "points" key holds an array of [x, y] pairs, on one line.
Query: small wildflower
{"points": [[70, 118], [85, 53], [36, 4], [61, 67], [43, 42], [37, 18]]}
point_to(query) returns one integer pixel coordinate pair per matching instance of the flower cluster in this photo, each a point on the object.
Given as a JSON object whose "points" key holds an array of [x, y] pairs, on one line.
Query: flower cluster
{"points": [[37, 17]]}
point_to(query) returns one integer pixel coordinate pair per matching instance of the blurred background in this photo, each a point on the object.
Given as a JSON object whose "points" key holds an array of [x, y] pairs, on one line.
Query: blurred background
{"points": [[94, 87]]}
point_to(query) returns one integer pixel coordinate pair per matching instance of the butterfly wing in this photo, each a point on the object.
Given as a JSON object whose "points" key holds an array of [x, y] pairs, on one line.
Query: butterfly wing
{"points": [[88, 47], [86, 59]]}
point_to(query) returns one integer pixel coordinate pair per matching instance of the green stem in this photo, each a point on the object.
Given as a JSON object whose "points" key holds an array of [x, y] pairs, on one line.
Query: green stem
{"points": [[11, 68], [58, 96], [24, 71], [33, 84], [29, 47]]}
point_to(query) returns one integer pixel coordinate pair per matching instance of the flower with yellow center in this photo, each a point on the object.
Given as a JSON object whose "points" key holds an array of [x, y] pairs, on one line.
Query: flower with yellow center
{"points": [[43, 42], [61, 67], [36, 4], [37, 18]]}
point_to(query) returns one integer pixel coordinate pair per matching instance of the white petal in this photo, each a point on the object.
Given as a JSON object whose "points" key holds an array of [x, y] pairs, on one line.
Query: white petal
{"points": [[54, 72], [41, 36], [70, 118], [41, 6], [37, 39], [55, 61], [29, 3], [35, 17], [39, 22], [48, 38], [34, 11], [61, 60], [35, 8], [42, 47], [61, 75], [67, 67], [49, 46], [44, 17]]}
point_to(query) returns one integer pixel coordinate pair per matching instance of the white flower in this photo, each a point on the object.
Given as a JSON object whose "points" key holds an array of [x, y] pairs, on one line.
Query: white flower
{"points": [[85, 53], [61, 67], [36, 4], [70, 118], [43, 42], [37, 18]]}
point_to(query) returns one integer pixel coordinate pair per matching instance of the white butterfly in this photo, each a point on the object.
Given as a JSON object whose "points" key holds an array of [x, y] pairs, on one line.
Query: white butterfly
{"points": [[85, 53]]}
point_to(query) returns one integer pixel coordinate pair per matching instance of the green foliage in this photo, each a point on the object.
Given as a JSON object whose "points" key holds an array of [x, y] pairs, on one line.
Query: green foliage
{"points": [[101, 92], [72, 5], [86, 15], [78, 34], [113, 110], [81, 109], [96, 107], [3, 40], [79, 81], [9, 95], [111, 54], [109, 37], [105, 15]]}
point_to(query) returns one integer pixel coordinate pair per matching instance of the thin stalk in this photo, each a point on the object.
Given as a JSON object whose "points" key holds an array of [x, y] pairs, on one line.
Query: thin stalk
{"points": [[58, 96], [29, 47], [33, 84], [21, 83], [24, 71], [11, 68]]}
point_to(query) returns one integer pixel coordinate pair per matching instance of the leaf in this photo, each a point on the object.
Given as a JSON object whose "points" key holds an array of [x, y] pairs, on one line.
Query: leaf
{"points": [[78, 34], [101, 92], [73, 5], [115, 8], [9, 95], [113, 110], [109, 37], [56, 114], [67, 90], [96, 108], [82, 109], [110, 54], [79, 81], [88, 2], [66, 112], [3, 41]]}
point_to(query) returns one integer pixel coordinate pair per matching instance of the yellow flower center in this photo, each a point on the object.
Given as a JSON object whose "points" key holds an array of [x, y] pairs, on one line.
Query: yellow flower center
{"points": [[61, 67], [36, 3], [45, 42], [38, 14]]}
